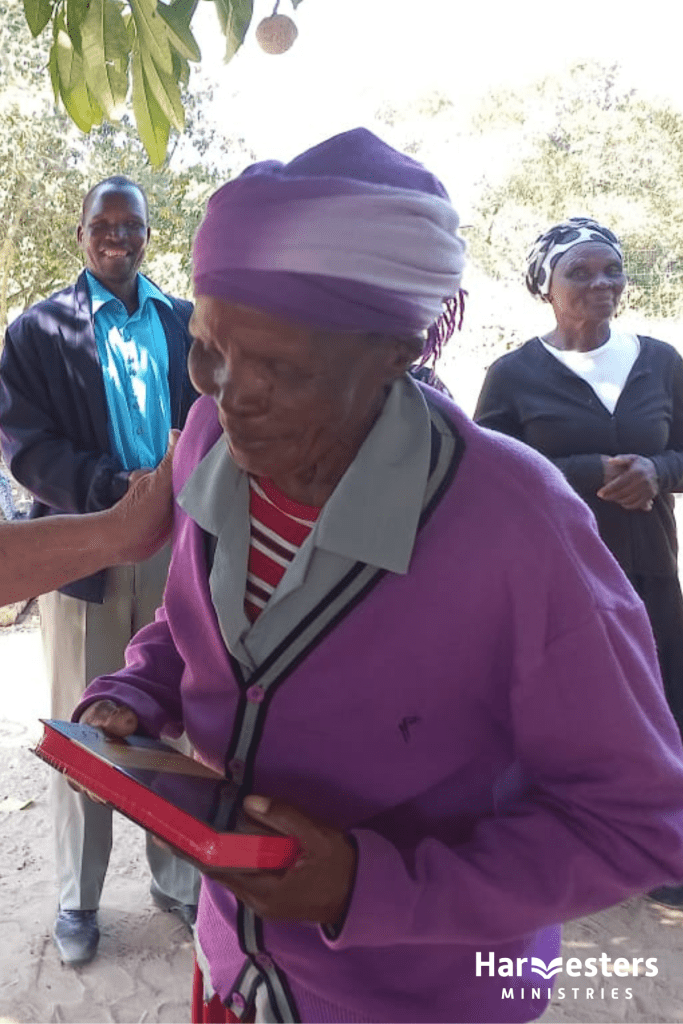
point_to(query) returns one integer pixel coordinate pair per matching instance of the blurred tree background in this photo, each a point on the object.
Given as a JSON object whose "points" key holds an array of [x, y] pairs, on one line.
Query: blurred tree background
{"points": [[585, 145], [107, 58], [580, 142], [47, 165]]}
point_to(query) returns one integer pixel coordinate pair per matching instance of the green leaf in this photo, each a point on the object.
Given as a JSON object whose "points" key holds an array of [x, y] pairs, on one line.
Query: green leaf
{"points": [[295, 3], [178, 29], [153, 32], [105, 55], [96, 112], [165, 90], [73, 89], [129, 22], [186, 8], [54, 72], [223, 11], [76, 11], [235, 18], [79, 107], [38, 13], [181, 69], [152, 124], [69, 63]]}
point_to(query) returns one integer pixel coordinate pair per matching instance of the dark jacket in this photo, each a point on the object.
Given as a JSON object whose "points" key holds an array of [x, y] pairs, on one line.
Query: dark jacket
{"points": [[531, 395], [53, 408]]}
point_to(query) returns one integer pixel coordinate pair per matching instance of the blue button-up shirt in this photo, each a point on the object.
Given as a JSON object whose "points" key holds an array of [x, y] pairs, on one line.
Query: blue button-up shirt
{"points": [[134, 358]]}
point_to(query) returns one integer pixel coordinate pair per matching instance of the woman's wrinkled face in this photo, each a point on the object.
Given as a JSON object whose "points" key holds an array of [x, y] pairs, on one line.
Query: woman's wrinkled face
{"points": [[587, 282], [286, 394]]}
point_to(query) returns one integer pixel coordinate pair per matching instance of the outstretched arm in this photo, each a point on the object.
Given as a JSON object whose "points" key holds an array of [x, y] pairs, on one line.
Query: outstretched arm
{"points": [[43, 554]]}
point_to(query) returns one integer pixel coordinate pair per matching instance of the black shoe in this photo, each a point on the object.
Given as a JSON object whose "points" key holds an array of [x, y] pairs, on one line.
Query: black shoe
{"points": [[668, 896], [187, 912], [76, 935]]}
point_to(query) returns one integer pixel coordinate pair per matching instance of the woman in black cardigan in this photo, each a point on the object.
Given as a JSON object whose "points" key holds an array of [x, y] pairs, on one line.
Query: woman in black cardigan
{"points": [[607, 408]]}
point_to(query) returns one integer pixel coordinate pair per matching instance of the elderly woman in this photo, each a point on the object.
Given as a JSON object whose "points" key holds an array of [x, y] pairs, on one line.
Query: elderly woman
{"points": [[606, 406], [398, 634]]}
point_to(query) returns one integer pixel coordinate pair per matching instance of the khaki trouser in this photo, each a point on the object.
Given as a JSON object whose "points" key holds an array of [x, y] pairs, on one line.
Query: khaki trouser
{"points": [[82, 640]]}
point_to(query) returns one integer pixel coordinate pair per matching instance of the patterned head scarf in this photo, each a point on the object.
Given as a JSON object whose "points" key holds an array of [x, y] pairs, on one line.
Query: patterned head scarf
{"points": [[349, 236], [549, 247]]}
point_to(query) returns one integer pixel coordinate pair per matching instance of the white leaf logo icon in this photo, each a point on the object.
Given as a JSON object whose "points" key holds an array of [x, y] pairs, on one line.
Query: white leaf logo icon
{"points": [[538, 966]]}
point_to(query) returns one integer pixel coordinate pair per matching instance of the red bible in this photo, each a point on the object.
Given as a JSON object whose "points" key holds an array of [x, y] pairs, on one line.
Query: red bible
{"points": [[177, 798]]}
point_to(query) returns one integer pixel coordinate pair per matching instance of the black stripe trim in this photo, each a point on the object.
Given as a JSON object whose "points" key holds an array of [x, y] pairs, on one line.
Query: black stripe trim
{"points": [[274, 686], [287, 1013], [240, 929], [248, 994], [237, 669], [308, 620], [258, 931], [339, 588], [247, 966], [443, 466], [238, 983], [293, 1015], [268, 542], [210, 543], [450, 470], [446, 476], [435, 448], [257, 591], [234, 739], [281, 649]]}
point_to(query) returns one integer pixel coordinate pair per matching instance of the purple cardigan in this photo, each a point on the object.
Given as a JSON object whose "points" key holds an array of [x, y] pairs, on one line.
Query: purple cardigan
{"points": [[540, 777]]}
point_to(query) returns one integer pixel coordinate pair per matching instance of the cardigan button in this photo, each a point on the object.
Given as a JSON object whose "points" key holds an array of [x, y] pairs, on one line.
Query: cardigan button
{"points": [[238, 1001], [255, 694], [263, 961], [236, 769]]}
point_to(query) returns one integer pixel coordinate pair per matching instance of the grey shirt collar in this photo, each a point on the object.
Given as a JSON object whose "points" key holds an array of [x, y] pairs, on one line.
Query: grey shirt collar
{"points": [[372, 517], [373, 513]]}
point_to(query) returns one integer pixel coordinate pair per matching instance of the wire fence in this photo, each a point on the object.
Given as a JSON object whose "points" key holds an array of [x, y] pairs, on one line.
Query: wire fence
{"points": [[655, 282]]}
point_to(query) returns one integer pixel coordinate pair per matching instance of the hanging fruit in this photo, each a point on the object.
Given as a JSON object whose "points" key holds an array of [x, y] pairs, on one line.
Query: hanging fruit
{"points": [[276, 33]]}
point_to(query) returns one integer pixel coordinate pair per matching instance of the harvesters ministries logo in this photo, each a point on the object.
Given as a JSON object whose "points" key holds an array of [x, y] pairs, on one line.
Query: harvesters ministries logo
{"points": [[598, 977]]}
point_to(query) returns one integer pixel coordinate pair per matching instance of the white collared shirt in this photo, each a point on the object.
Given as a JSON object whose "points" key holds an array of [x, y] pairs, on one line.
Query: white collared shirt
{"points": [[605, 368]]}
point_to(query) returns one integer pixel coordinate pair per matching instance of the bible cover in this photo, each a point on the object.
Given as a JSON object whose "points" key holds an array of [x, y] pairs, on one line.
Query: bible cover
{"points": [[177, 798]]}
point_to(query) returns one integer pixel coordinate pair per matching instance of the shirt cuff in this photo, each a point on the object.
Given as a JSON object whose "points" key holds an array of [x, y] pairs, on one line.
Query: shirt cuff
{"points": [[374, 916]]}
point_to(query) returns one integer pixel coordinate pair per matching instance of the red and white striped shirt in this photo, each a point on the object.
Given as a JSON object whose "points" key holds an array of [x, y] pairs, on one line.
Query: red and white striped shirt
{"points": [[279, 526]]}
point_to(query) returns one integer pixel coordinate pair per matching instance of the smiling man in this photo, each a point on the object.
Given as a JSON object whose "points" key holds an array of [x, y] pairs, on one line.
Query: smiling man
{"points": [[91, 381]]}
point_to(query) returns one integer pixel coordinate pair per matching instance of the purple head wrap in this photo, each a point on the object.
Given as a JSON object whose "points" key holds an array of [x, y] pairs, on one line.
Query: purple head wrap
{"points": [[350, 235]]}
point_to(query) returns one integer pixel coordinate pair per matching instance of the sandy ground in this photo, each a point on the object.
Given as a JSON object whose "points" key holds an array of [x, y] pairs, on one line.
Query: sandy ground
{"points": [[144, 967], [143, 970]]}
